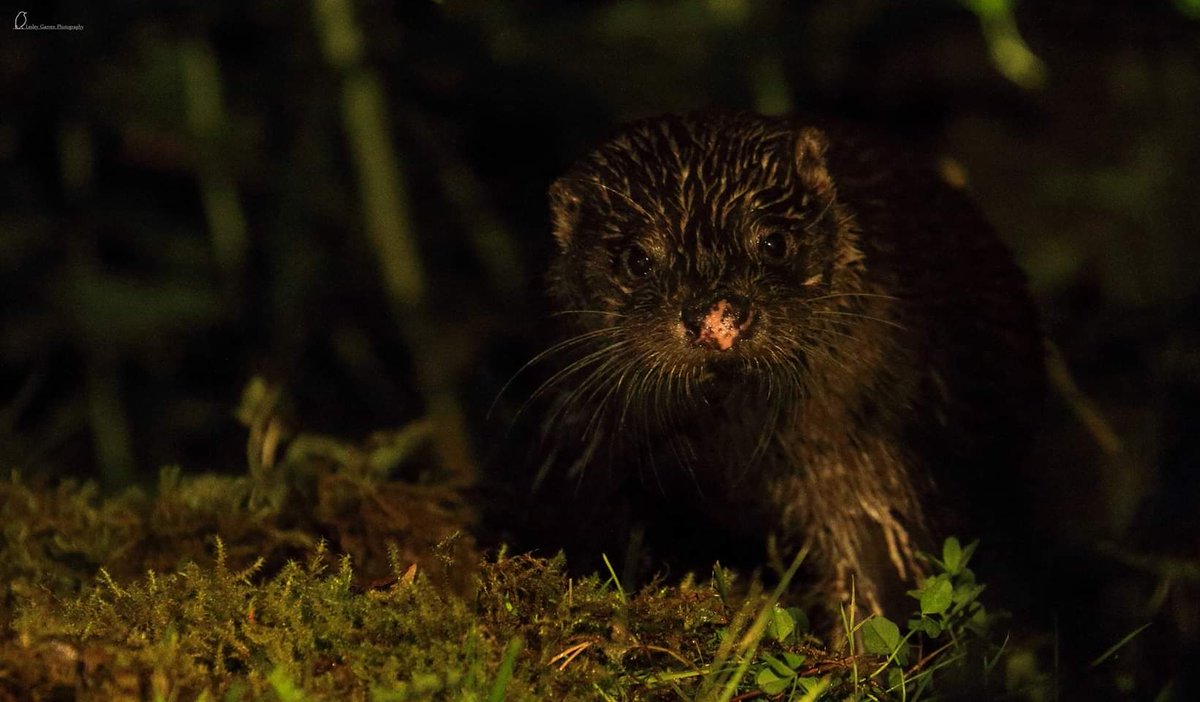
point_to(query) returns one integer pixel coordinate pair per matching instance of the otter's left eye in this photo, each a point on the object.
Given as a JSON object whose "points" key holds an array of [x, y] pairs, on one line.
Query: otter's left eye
{"points": [[638, 263], [773, 247]]}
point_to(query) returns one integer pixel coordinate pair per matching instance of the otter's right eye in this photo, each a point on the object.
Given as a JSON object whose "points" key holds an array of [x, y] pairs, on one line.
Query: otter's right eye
{"points": [[774, 247], [638, 263]]}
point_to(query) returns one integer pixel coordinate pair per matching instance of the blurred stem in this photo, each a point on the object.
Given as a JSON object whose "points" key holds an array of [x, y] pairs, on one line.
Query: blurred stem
{"points": [[383, 189], [206, 117], [105, 410], [1010, 54], [110, 426], [388, 224], [1085, 410]]}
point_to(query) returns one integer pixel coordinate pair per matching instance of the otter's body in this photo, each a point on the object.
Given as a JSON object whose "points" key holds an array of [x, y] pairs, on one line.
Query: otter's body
{"points": [[776, 331]]}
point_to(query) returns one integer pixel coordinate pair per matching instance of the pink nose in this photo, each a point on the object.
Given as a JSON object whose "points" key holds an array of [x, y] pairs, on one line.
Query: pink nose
{"points": [[718, 324]]}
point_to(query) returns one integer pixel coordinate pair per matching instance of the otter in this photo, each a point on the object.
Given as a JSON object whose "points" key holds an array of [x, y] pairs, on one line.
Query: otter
{"points": [[775, 331]]}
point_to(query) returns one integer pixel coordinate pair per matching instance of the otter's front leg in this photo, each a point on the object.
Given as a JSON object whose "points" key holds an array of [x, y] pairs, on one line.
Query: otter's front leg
{"points": [[863, 531]]}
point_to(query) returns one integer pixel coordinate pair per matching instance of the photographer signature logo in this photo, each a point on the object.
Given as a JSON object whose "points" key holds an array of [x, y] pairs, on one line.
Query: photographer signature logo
{"points": [[21, 22]]}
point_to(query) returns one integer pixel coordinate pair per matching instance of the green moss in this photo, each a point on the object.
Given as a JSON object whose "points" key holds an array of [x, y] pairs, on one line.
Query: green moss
{"points": [[322, 575], [306, 628]]}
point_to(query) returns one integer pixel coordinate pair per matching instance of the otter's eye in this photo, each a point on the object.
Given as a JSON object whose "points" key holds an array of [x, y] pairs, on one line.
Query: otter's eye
{"points": [[638, 263], [773, 247]]}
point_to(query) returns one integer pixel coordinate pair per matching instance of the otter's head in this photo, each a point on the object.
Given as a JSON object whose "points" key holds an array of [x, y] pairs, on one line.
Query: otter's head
{"points": [[699, 246]]}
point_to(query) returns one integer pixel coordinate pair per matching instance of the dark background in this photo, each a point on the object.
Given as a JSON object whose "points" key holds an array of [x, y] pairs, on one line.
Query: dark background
{"points": [[349, 200]]}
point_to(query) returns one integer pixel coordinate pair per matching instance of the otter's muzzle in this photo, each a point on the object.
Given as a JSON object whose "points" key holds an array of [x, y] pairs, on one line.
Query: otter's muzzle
{"points": [[718, 323]]}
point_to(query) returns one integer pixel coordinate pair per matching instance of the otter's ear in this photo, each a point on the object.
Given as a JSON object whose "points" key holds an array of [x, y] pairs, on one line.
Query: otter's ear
{"points": [[810, 161], [565, 204]]}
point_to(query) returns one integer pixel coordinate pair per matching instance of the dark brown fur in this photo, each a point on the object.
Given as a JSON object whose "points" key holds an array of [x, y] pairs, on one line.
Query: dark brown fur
{"points": [[893, 341]]}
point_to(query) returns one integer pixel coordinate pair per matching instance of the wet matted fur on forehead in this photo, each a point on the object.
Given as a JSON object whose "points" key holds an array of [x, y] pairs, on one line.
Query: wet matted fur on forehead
{"points": [[682, 172]]}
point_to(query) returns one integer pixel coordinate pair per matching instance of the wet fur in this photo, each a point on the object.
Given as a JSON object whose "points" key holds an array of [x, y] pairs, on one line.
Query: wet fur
{"points": [[894, 344]]}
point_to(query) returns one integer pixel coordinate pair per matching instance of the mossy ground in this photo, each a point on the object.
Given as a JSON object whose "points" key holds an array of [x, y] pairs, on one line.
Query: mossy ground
{"points": [[215, 589], [337, 572]]}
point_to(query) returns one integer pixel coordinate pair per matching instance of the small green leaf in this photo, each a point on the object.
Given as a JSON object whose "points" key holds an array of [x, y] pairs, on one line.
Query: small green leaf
{"points": [[930, 627], [780, 667], [936, 595], [952, 555], [793, 660], [968, 551], [880, 635], [801, 619], [771, 682], [978, 622], [781, 625], [966, 593]]}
